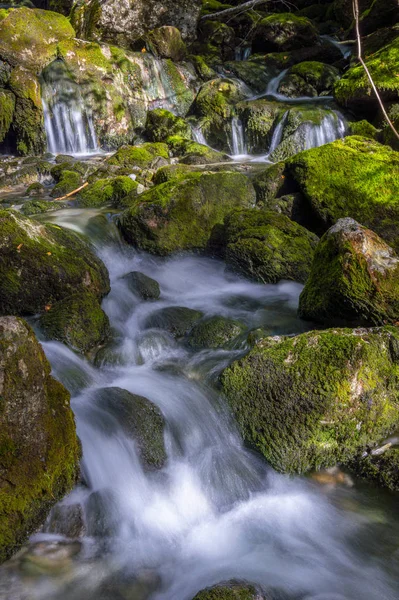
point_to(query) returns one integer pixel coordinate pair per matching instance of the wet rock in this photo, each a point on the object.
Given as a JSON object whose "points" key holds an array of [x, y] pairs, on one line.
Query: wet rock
{"points": [[284, 31], [231, 590], [266, 246], [35, 189], [138, 156], [180, 214], [140, 419], [116, 191], [354, 278], [48, 558], [39, 450], [177, 320], [67, 520], [309, 78], [192, 153], [215, 332], [37, 207], [317, 399], [142, 285], [166, 42], [382, 469], [162, 124], [78, 321], [42, 264]]}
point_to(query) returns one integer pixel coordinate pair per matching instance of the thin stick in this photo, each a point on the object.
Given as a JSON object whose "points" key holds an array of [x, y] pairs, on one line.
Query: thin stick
{"points": [[359, 52], [71, 193]]}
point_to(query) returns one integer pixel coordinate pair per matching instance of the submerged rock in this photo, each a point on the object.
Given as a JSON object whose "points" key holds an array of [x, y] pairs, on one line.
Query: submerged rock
{"points": [[39, 450], [316, 399], [177, 320], [231, 590], [77, 321], [354, 278], [180, 214], [42, 264], [266, 246], [140, 419], [215, 332], [142, 285], [66, 519]]}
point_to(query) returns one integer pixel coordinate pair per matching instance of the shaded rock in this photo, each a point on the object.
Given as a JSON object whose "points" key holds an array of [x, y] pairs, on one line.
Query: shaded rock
{"points": [[316, 399], [142, 285], [77, 321], [283, 31], [66, 519], [354, 278], [215, 332], [166, 42], [310, 78], [42, 264], [39, 450], [382, 469], [177, 320]]}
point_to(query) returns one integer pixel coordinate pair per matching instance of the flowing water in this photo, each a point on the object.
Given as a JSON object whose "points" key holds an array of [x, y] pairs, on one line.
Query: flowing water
{"points": [[237, 138], [215, 511]]}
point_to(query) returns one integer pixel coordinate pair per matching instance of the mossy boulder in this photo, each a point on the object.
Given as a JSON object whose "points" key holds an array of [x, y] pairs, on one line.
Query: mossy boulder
{"points": [[270, 183], [256, 74], [138, 156], [68, 182], [266, 246], [231, 590], [387, 135], [354, 90], [259, 117], [180, 214], [140, 419], [37, 207], [42, 264], [161, 124], [382, 469], [112, 190], [353, 177], [166, 42], [39, 450], [77, 321], [354, 278], [193, 153], [216, 42], [143, 286], [28, 37], [214, 332], [364, 129], [309, 78], [177, 320], [7, 108], [317, 399], [35, 189], [284, 31]]}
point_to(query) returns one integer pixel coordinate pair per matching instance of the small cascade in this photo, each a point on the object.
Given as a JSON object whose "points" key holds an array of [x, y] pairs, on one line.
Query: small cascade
{"points": [[278, 133], [237, 138], [242, 53], [156, 84], [67, 120], [345, 49], [198, 135], [332, 127]]}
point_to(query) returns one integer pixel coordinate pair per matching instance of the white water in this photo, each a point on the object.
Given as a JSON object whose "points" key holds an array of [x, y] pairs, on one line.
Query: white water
{"points": [[215, 511], [332, 127], [237, 138], [67, 120]]}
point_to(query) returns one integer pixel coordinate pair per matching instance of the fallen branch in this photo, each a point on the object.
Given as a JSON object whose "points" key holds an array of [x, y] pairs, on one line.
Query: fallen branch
{"points": [[355, 5], [71, 193], [231, 11]]}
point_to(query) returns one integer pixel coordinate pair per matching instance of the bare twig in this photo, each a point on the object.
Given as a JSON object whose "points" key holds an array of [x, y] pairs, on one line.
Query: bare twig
{"points": [[235, 9], [355, 5], [72, 193]]}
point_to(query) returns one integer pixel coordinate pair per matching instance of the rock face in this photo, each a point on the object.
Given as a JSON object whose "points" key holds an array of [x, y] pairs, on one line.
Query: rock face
{"points": [[42, 264], [123, 23], [265, 246], [354, 278], [354, 177], [316, 399], [39, 450], [180, 214]]}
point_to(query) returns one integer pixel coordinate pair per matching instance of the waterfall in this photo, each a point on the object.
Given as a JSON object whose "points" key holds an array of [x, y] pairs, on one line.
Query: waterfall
{"points": [[67, 120], [332, 127], [242, 53], [278, 133], [198, 135], [237, 138]]}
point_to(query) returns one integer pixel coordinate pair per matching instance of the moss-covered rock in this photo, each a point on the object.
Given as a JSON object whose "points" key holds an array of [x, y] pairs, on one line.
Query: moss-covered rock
{"points": [[270, 183], [140, 419], [39, 450], [42, 264], [68, 182], [35, 189], [309, 78], [259, 117], [77, 321], [143, 286], [353, 177], [231, 590], [162, 124], [284, 31], [216, 42], [138, 156], [388, 136], [316, 399], [215, 332], [266, 246], [166, 42], [364, 129], [7, 108], [354, 90], [37, 207], [354, 278], [113, 190], [179, 215], [193, 153], [177, 320], [382, 469]]}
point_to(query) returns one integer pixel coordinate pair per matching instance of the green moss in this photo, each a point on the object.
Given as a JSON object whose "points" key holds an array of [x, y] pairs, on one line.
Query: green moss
{"points": [[177, 320], [229, 591], [353, 177], [183, 96], [383, 469], [39, 463], [284, 31], [267, 246], [364, 129], [69, 181], [7, 107], [316, 74], [215, 332], [316, 399], [138, 156], [259, 118], [77, 321], [42, 264], [36, 207], [113, 190], [161, 124], [179, 215]]}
